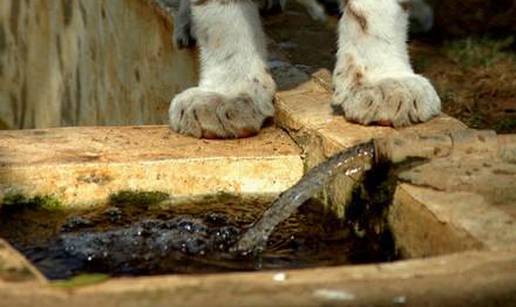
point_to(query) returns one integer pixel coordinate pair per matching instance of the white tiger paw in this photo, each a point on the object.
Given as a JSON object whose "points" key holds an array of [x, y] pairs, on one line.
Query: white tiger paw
{"points": [[394, 101], [208, 114], [374, 82], [235, 91]]}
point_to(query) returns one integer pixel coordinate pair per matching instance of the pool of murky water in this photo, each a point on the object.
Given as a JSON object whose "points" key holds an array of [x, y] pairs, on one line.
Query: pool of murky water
{"points": [[128, 238]]}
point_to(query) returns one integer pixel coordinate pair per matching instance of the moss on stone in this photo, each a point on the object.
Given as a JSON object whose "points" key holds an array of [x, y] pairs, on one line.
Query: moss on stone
{"points": [[81, 281], [18, 200]]}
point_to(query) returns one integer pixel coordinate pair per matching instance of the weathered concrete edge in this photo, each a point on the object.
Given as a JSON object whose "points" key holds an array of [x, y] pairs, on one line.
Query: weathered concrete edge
{"points": [[14, 263], [459, 221], [87, 184], [471, 278]]}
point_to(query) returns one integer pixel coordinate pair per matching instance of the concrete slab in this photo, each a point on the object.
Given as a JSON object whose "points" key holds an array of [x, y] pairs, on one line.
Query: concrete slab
{"points": [[83, 166]]}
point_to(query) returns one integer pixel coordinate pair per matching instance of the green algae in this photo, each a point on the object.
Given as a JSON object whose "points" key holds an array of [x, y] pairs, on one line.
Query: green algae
{"points": [[21, 201], [81, 281]]}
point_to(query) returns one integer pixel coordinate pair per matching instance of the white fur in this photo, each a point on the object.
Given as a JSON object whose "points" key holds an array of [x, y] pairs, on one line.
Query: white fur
{"points": [[389, 91], [374, 82], [233, 65]]}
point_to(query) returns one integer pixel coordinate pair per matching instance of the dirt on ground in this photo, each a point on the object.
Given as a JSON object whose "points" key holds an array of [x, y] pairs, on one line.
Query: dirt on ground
{"points": [[475, 76]]}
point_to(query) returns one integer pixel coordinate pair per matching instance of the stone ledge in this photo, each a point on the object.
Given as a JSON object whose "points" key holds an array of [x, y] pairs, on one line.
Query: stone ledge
{"points": [[14, 268], [471, 278], [450, 211], [437, 222], [305, 112], [83, 166]]}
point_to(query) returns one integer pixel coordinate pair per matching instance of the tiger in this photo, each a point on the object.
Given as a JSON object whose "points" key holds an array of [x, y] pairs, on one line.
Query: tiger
{"points": [[373, 80]]}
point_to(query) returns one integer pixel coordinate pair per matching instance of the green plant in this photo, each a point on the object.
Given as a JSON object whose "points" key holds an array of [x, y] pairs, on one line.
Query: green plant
{"points": [[484, 51], [81, 280], [18, 200]]}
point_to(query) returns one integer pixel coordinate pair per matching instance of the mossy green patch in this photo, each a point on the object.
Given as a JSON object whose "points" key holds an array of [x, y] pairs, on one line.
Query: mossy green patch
{"points": [[21, 201], [130, 197], [81, 281]]}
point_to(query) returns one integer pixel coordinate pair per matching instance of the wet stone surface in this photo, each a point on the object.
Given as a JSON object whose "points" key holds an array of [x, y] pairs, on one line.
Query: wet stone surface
{"points": [[130, 239]]}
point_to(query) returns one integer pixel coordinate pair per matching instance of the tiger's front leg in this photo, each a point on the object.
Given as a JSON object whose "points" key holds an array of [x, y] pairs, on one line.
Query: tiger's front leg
{"points": [[235, 91], [373, 79]]}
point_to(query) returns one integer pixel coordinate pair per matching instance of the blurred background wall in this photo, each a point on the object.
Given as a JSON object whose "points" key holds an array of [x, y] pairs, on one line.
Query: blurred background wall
{"points": [[466, 17], [87, 62]]}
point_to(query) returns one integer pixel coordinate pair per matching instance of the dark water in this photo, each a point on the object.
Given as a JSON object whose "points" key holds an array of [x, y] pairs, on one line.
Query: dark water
{"points": [[128, 240]]}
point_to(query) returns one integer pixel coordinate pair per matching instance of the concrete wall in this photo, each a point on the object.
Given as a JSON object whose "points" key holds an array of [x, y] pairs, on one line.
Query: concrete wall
{"points": [[87, 62]]}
